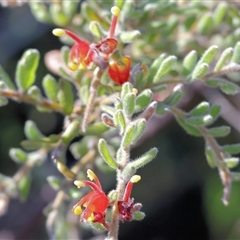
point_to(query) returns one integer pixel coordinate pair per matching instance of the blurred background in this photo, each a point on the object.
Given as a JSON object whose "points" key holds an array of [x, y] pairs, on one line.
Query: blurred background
{"points": [[181, 195]]}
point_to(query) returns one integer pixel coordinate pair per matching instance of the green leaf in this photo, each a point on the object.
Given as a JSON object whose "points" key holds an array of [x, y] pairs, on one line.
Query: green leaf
{"points": [[138, 216], [65, 53], [229, 88], [129, 36], [96, 29], [199, 71], [70, 8], [232, 148], [236, 53], [54, 182], [58, 15], [225, 86], [208, 55], [6, 79], [50, 87], [231, 162], [65, 96], [118, 3], [140, 126], [40, 11], [105, 153], [128, 8], [199, 120], [120, 121], [189, 128], [162, 108], [32, 145], [209, 153], [79, 149], [222, 131], [142, 100], [154, 67], [71, 132], [62, 168], [189, 62], [96, 129], [18, 155], [74, 193], [144, 159], [219, 13], [31, 131], [175, 97], [93, 14], [35, 93], [84, 94], [215, 112], [126, 88], [164, 68], [24, 186], [129, 103], [97, 226], [224, 58], [26, 69], [200, 109], [128, 135], [205, 25]]}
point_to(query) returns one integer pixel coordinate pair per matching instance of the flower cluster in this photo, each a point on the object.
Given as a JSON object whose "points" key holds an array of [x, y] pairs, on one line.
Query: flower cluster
{"points": [[83, 53], [96, 202]]}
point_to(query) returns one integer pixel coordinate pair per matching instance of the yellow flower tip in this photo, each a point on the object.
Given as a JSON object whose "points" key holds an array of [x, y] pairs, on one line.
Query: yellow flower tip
{"points": [[115, 11], [91, 218], [58, 32], [77, 210], [91, 175], [135, 179], [72, 66], [126, 61], [135, 91], [79, 184]]}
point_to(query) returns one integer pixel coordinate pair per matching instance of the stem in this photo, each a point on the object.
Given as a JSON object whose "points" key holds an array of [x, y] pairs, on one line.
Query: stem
{"points": [[121, 183], [28, 99], [93, 92], [224, 172]]}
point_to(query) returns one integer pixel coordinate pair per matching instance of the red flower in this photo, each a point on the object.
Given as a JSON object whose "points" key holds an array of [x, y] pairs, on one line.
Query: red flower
{"points": [[120, 72], [82, 53], [126, 207], [95, 202]]}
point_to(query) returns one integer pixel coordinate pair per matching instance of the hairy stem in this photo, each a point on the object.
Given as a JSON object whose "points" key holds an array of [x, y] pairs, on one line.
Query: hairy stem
{"points": [[93, 92], [21, 96]]}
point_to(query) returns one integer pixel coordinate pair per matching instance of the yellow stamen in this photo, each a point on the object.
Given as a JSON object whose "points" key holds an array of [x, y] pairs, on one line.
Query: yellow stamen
{"points": [[125, 61], [135, 91], [58, 32], [79, 184], [91, 175], [73, 66], [77, 210], [135, 179], [115, 11], [91, 218]]}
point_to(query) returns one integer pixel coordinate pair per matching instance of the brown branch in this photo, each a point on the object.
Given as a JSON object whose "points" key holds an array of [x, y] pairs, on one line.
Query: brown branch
{"points": [[21, 96]]}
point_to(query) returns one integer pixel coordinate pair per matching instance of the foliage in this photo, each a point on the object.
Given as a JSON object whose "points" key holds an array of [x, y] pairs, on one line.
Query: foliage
{"points": [[118, 80]]}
